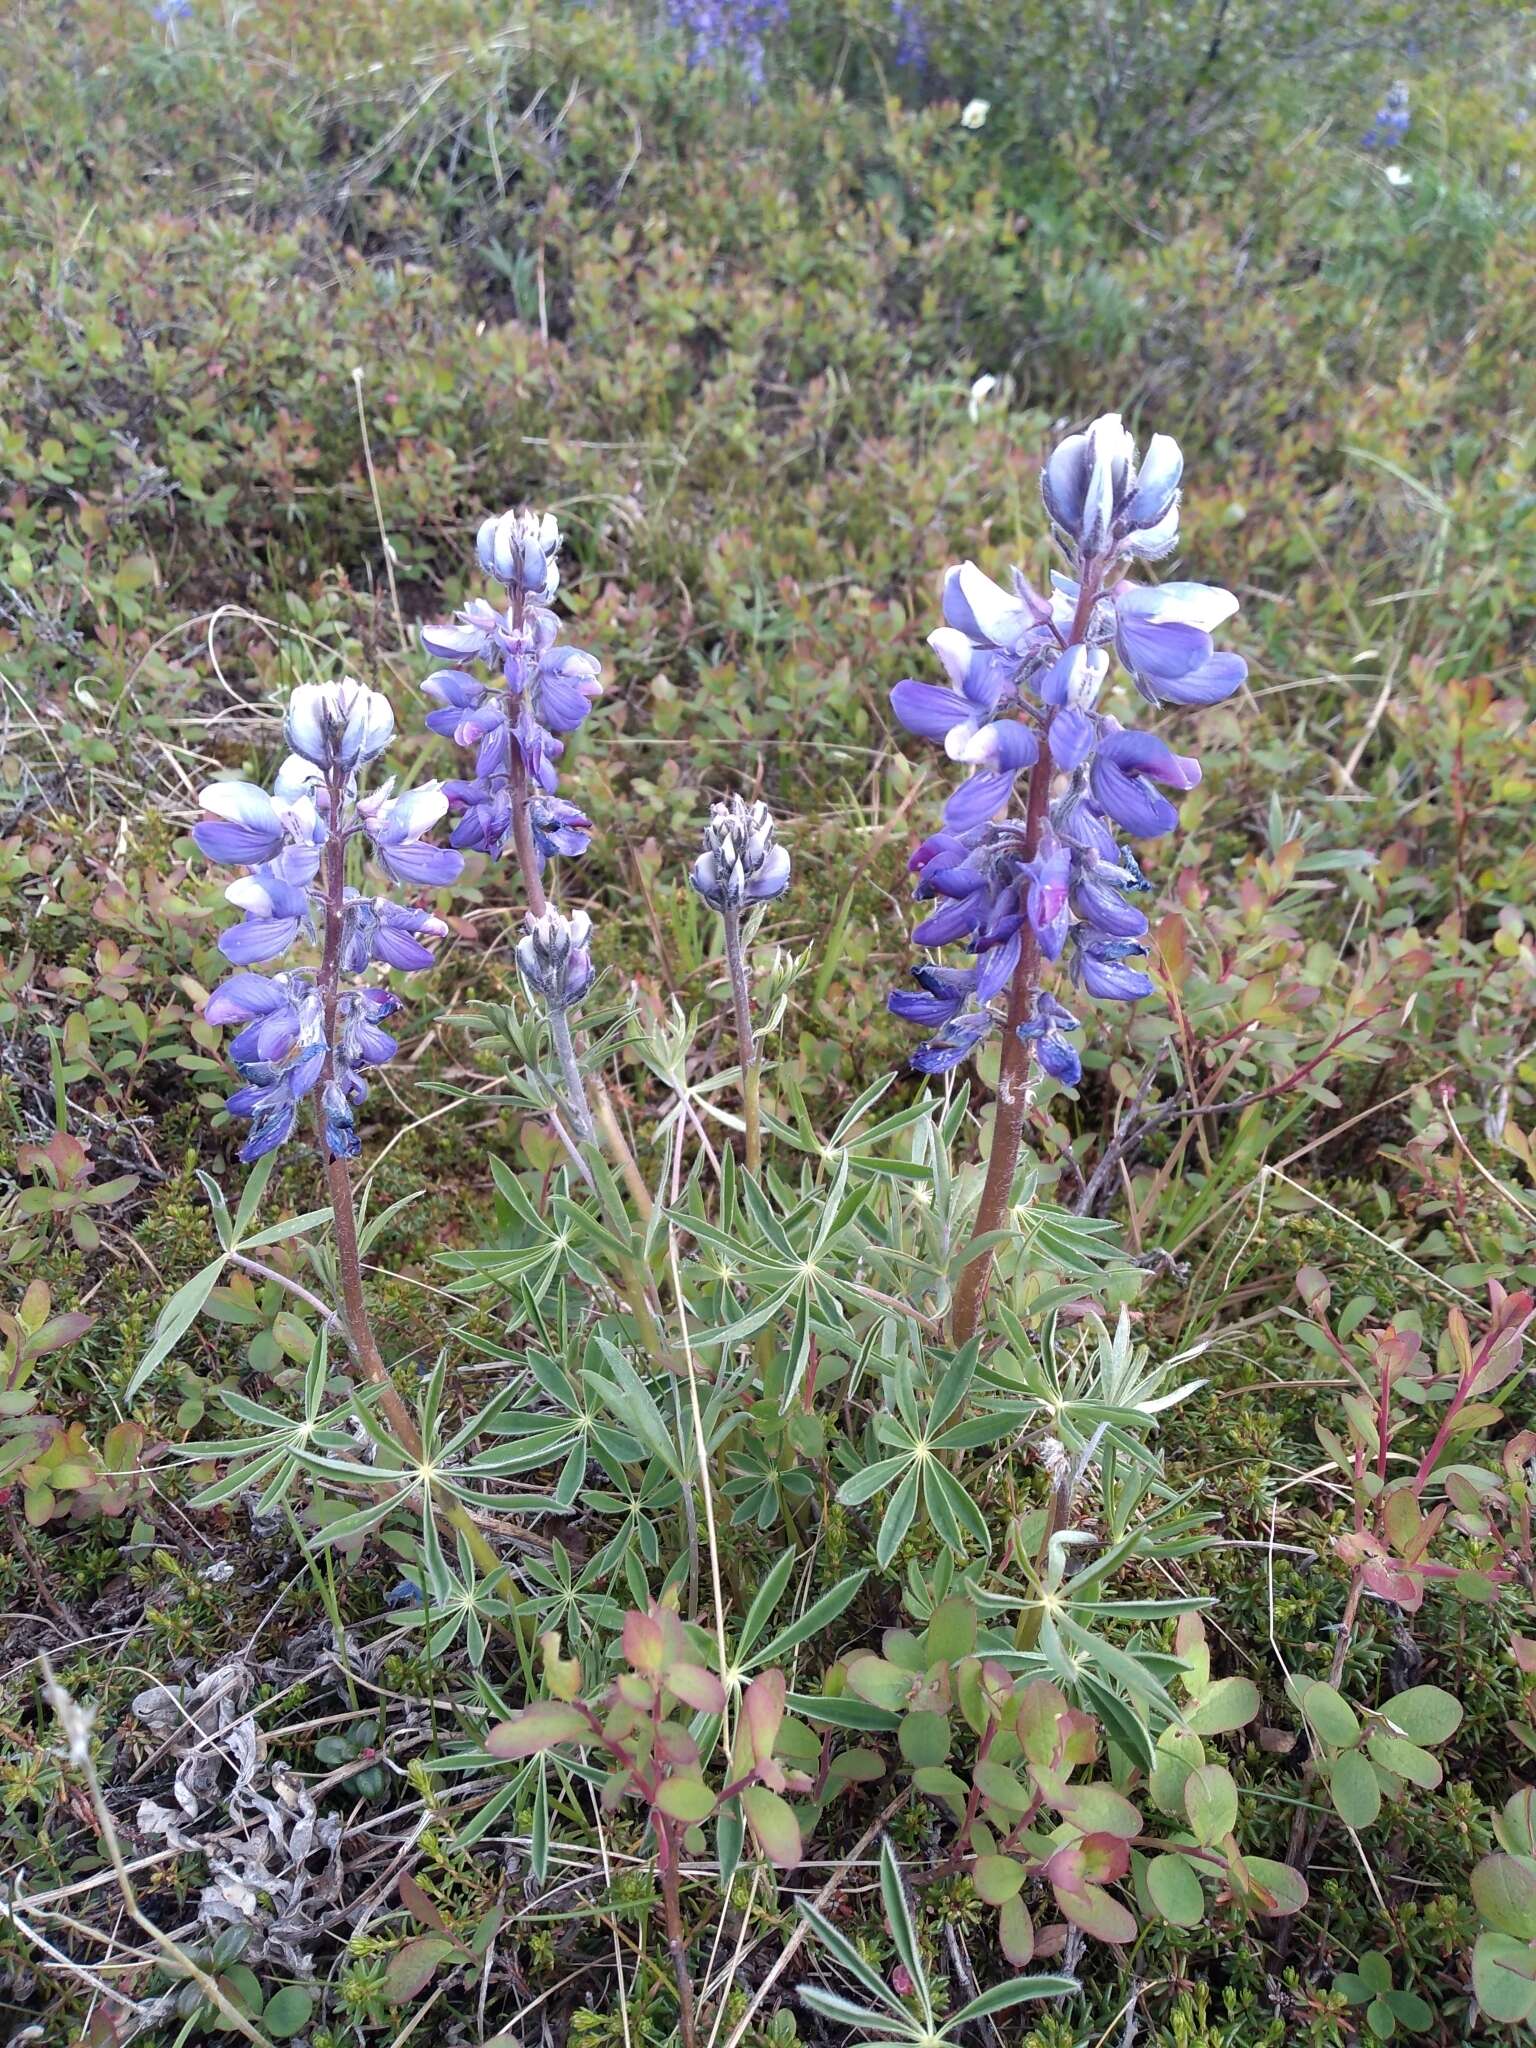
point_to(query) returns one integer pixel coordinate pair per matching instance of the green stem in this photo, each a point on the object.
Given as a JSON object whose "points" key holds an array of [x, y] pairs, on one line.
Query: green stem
{"points": [[746, 1044]]}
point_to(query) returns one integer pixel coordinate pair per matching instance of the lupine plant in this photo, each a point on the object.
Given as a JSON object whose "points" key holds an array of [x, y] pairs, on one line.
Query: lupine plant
{"points": [[1028, 867], [766, 1340], [1389, 124], [310, 1032], [720, 31]]}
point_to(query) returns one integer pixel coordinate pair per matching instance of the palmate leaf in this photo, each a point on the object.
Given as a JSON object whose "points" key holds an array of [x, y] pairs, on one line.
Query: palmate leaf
{"points": [[864, 1974], [898, 1518], [1023, 1991], [893, 1895]]}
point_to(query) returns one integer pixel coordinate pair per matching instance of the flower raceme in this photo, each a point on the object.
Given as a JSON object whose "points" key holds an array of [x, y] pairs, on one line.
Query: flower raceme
{"points": [[1025, 673], [742, 862], [302, 1032], [515, 718]]}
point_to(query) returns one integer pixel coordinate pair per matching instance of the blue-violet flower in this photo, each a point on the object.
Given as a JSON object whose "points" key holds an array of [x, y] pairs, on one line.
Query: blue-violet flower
{"points": [[1025, 673]]}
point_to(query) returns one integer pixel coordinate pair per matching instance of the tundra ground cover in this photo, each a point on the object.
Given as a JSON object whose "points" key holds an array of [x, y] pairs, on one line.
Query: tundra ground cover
{"points": [[1170, 1644]]}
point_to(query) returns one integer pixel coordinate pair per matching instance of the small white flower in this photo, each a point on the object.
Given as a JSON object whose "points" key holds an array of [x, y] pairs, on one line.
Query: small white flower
{"points": [[1396, 175], [975, 113], [980, 391]]}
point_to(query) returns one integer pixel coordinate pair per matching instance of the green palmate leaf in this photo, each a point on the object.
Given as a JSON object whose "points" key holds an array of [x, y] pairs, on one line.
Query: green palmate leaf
{"points": [[864, 1485], [897, 1520], [1025, 1991], [831, 2005], [862, 1972], [538, 1845], [1355, 1789], [952, 1511], [291, 1226], [842, 1711], [764, 1601], [893, 1893], [173, 1322], [730, 1835]]}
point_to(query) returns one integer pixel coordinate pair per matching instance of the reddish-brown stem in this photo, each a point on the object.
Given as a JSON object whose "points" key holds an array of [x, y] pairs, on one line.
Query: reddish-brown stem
{"points": [[366, 1356], [1012, 1079], [1013, 1068], [677, 1938], [349, 1266]]}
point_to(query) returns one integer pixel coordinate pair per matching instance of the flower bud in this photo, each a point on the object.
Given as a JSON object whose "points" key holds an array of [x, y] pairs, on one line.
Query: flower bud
{"points": [[740, 862], [519, 550], [338, 725], [554, 959]]}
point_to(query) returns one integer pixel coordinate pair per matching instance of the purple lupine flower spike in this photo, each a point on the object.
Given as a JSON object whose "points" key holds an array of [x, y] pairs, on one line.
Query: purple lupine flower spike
{"points": [[294, 845], [513, 718], [1025, 674], [742, 862]]}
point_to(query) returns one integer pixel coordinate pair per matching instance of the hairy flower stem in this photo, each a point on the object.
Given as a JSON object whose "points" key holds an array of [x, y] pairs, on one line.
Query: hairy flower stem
{"points": [[570, 1067], [361, 1342], [600, 1111], [746, 1044], [1013, 1067]]}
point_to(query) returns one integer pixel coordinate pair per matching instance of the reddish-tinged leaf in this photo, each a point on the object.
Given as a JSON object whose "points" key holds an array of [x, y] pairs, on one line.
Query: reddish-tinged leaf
{"points": [[418, 1905], [643, 1643], [696, 1688], [1098, 1914], [1276, 1888], [1016, 1933], [774, 1826], [687, 1798], [536, 1728], [1106, 1858], [762, 1709], [1042, 1708], [997, 1879], [61, 1332], [411, 1968]]}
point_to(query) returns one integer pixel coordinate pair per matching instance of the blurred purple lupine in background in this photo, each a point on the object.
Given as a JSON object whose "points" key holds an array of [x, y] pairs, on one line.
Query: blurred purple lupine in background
{"points": [[304, 1029], [911, 35], [728, 31], [1390, 123]]}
